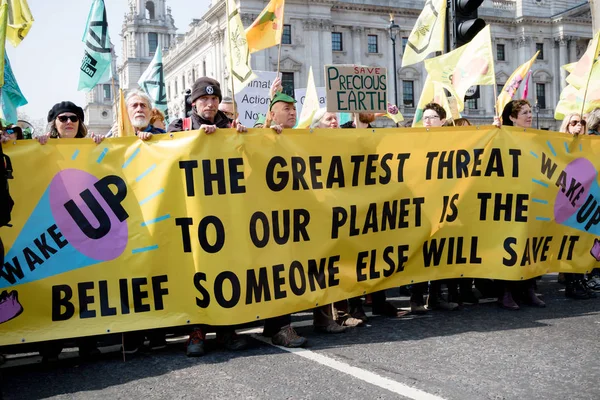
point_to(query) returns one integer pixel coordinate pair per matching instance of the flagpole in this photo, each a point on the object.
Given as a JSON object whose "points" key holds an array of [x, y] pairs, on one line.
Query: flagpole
{"points": [[230, 59]]}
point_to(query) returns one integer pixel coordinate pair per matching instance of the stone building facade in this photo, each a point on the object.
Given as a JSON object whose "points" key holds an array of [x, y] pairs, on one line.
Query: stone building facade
{"points": [[320, 32]]}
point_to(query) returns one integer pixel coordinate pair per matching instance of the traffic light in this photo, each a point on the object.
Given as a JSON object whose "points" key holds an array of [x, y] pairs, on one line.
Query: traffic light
{"points": [[187, 103], [466, 22]]}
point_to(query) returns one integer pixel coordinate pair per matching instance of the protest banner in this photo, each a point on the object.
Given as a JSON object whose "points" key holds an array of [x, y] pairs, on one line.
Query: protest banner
{"points": [[253, 99], [229, 228], [356, 88]]}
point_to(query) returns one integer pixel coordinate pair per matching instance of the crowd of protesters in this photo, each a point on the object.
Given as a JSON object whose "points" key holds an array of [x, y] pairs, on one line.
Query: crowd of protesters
{"points": [[210, 112]]}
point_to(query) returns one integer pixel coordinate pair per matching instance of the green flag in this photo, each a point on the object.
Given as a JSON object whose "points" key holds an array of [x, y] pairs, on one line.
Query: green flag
{"points": [[152, 82], [11, 97], [97, 57]]}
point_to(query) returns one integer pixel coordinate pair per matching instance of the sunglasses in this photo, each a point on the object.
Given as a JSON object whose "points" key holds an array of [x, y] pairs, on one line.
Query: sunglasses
{"points": [[64, 118], [574, 123]]}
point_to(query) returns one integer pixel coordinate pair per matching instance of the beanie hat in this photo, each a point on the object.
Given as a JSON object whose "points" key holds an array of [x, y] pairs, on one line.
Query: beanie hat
{"points": [[205, 86], [62, 107]]}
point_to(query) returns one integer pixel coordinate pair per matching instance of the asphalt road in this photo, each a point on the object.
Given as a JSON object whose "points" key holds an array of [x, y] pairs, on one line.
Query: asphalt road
{"points": [[478, 352]]}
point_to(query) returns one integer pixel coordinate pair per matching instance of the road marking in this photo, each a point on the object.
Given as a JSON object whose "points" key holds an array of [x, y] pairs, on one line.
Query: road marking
{"points": [[359, 373]]}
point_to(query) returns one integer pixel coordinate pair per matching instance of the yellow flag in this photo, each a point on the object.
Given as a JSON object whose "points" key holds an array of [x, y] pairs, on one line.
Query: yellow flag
{"points": [[394, 114], [239, 56], [311, 102], [580, 73], [19, 21], [569, 67], [433, 92], [125, 127], [266, 30], [3, 24], [572, 98], [469, 65], [427, 35], [512, 84]]}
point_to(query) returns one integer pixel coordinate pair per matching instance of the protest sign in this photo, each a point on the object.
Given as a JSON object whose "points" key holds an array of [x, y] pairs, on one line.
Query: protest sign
{"points": [[356, 88], [253, 99], [224, 229], [299, 95]]}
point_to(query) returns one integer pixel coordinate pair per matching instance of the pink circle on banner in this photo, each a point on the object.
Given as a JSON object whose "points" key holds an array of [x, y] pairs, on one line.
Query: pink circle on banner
{"points": [[68, 185], [583, 172]]}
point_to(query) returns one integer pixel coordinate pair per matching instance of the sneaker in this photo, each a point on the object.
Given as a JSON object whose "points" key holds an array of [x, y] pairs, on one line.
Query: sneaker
{"points": [[331, 327], [350, 322], [533, 300], [575, 290], [232, 341], [287, 337], [590, 292], [195, 344], [594, 283], [359, 313], [439, 303], [418, 309]]}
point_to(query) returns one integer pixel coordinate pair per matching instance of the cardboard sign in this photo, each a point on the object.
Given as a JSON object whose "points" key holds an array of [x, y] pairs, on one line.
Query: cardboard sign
{"points": [[356, 88]]}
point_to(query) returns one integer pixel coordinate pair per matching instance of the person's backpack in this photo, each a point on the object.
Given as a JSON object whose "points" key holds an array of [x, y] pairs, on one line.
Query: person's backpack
{"points": [[6, 202]]}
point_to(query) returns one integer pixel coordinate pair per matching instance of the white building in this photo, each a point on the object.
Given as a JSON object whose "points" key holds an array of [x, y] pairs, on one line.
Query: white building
{"points": [[320, 32], [147, 24]]}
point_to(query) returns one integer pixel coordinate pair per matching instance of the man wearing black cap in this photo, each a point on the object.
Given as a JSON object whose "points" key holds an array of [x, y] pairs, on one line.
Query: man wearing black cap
{"points": [[205, 98]]}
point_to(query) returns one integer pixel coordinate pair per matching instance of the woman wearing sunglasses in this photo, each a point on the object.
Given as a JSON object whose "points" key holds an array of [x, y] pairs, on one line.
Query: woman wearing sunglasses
{"points": [[573, 124], [65, 120]]}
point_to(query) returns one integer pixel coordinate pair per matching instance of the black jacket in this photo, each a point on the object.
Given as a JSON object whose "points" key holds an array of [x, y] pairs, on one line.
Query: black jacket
{"points": [[350, 124], [221, 121]]}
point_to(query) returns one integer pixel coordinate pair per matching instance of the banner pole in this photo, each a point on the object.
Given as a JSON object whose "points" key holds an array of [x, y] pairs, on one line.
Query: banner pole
{"points": [[230, 58]]}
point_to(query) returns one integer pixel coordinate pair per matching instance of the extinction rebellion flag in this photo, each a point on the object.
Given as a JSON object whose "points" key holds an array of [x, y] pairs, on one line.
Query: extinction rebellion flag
{"points": [[97, 54]]}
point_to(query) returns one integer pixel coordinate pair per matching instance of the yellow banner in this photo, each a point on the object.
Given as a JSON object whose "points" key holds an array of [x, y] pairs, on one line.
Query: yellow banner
{"points": [[229, 228]]}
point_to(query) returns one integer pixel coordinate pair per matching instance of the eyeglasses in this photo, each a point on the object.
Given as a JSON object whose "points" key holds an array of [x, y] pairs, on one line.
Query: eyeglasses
{"points": [[431, 118], [575, 123], [64, 118]]}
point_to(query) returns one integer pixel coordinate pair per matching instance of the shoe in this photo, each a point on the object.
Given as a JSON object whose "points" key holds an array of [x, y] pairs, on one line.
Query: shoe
{"points": [[590, 292], [533, 300], [350, 322], [575, 290], [593, 283], [287, 337], [359, 313], [418, 309], [386, 309], [2, 359], [469, 298], [86, 352], [231, 340], [507, 302], [438, 303], [332, 327], [195, 344]]}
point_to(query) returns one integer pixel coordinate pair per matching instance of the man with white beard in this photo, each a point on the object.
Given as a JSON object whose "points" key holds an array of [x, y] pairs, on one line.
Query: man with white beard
{"points": [[139, 109]]}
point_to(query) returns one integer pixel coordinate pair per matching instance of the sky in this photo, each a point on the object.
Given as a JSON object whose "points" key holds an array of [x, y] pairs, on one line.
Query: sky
{"points": [[46, 64]]}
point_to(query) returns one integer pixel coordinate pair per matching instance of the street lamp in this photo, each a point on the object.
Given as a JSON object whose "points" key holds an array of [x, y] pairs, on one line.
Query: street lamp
{"points": [[394, 29], [536, 109]]}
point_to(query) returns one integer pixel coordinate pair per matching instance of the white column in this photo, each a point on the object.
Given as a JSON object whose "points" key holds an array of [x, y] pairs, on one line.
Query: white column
{"points": [[573, 50], [562, 59], [393, 74], [326, 57], [356, 37], [487, 101]]}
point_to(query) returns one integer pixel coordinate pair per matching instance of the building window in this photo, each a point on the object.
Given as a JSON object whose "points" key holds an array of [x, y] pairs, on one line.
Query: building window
{"points": [[404, 43], [540, 93], [471, 104], [286, 36], [500, 87], [336, 41], [540, 47], [107, 94], [150, 10], [500, 55], [152, 42], [408, 94], [287, 81], [372, 45]]}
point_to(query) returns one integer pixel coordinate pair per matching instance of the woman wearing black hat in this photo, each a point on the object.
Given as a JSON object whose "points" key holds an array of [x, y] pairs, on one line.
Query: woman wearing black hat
{"points": [[65, 120]]}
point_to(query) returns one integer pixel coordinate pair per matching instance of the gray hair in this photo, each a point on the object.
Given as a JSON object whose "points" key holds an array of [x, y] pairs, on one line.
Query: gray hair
{"points": [[593, 120], [319, 114], [138, 93]]}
